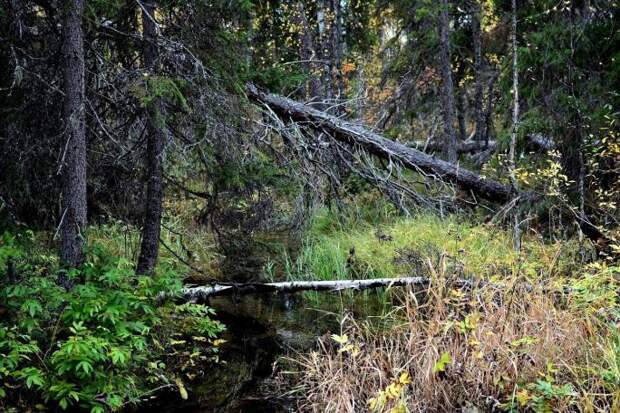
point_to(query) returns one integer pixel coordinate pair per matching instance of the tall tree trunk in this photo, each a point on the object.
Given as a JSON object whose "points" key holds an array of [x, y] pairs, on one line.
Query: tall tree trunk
{"points": [[478, 92], [515, 126], [155, 129], [450, 153], [489, 126], [307, 53], [324, 45], [338, 45], [461, 98], [73, 161]]}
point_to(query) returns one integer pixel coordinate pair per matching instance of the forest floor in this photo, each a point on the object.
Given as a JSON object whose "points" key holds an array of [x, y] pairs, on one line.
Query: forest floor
{"points": [[538, 333]]}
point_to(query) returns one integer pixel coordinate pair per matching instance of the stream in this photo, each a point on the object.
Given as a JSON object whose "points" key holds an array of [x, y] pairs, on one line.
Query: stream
{"points": [[261, 329]]}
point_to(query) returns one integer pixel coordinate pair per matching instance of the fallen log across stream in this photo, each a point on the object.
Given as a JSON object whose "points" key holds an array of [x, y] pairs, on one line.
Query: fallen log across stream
{"points": [[199, 294], [382, 147]]}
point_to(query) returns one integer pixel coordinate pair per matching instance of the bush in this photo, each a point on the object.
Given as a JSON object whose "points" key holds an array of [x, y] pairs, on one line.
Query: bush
{"points": [[103, 344]]}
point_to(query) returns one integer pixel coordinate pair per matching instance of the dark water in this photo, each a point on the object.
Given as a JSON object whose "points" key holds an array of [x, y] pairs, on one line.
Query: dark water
{"points": [[260, 330]]}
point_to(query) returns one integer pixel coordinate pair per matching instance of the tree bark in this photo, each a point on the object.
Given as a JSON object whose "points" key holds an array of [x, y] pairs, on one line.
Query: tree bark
{"points": [[377, 145], [324, 54], [338, 44], [478, 89], [149, 248], [445, 64], [73, 161], [515, 126], [461, 97], [307, 53]]}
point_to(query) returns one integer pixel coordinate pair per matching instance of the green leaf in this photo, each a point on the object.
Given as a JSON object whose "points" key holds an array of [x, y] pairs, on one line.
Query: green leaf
{"points": [[442, 363], [85, 366]]}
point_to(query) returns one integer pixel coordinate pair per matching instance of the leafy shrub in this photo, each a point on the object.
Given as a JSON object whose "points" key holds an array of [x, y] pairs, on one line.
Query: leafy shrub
{"points": [[101, 345]]}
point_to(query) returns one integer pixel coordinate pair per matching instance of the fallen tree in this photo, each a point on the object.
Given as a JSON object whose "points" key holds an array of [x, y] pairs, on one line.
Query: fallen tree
{"points": [[411, 158], [379, 146], [202, 293]]}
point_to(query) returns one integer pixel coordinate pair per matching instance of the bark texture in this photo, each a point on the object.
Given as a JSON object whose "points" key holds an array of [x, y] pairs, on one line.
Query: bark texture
{"points": [[478, 87], [447, 93], [515, 126], [155, 129], [73, 161], [382, 147], [307, 53]]}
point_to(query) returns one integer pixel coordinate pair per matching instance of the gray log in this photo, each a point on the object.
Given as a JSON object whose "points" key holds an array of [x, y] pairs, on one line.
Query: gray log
{"points": [[378, 145]]}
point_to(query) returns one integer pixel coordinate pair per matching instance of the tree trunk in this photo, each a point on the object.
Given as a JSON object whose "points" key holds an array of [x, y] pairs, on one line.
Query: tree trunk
{"points": [[155, 127], [461, 98], [377, 145], [307, 53], [478, 92], [73, 161], [489, 129], [515, 126], [338, 45], [324, 54], [450, 153]]}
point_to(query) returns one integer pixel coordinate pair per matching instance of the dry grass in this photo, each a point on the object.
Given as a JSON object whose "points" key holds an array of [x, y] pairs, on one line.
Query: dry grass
{"points": [[497, 349]]}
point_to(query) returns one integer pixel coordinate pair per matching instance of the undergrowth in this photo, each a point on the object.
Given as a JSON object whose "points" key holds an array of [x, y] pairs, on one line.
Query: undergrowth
{"points": [[108, 342], [403, 247], [539, 334], [496, 348]]}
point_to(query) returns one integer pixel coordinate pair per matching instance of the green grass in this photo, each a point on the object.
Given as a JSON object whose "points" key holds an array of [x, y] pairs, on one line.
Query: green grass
{"points": [[404, 246]]}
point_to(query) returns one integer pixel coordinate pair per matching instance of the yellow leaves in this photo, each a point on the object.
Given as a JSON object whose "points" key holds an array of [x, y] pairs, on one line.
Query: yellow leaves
{"points": [[182, 389], [399, 409], [523, 397], [523, 342], [345, 346], [219, 342], [469, 323], [404, 378], [353, 349], [393, 392], [200, 339], [343, 339]]}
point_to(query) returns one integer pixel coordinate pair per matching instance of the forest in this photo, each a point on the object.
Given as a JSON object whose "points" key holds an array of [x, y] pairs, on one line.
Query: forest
{"points": [[384, 206]]}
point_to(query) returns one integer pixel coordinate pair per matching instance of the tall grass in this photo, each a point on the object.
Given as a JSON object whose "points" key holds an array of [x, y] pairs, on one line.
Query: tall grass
{"points": [[402, 246], [490, 349]]}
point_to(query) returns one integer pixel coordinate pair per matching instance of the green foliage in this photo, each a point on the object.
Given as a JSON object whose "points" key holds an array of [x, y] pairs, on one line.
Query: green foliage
{"points": [[387, 246], [100, 345]]}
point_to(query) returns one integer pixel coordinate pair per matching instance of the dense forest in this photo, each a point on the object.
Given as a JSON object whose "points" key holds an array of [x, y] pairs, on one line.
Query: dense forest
{"points": [[318, 206]]}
